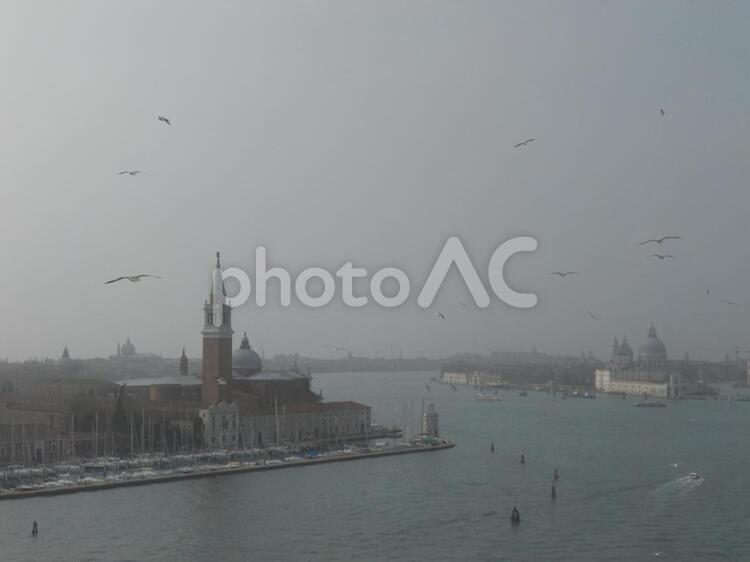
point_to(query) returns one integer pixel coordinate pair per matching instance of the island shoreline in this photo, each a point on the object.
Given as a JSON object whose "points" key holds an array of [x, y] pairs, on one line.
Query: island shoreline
{"points": [[17, 495]]}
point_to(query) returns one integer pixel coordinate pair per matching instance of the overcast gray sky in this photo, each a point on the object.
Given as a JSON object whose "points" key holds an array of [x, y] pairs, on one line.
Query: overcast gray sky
{"points": [[372, 131]]}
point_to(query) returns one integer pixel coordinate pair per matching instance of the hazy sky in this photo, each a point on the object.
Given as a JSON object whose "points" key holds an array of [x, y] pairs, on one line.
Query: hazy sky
{"points": [[345, 130]]}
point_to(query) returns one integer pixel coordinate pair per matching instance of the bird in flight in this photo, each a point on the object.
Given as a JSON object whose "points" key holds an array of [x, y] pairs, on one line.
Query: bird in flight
{"points": [[163, 119], [564, 273], [729, 303], [662, 112], [440, 315], [662, 256], [132, 278], [594, 316], [708, 292], [660, 240], [131, 172], [524, 143]]}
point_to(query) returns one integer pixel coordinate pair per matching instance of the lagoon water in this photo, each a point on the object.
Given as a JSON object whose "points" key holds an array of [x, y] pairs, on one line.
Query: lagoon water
{"points": [[618, 498]]}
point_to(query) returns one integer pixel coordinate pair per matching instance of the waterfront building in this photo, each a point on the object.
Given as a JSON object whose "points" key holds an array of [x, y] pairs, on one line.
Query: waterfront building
{"points": [[304, 422], [221, 424], [651, 374], [272, 406]]}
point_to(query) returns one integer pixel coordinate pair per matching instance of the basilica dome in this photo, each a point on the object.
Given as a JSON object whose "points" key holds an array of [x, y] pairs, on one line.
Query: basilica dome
{"points": [[652, 352], [127, 348], [245, 361]]}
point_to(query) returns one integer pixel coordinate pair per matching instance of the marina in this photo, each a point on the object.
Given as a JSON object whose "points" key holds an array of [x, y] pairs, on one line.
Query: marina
{"points": [[92, 476]]}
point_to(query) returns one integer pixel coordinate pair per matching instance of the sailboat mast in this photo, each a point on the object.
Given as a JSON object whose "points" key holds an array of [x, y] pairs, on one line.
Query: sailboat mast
{"points": [[96, 434], [72, 435], [276, 412]]}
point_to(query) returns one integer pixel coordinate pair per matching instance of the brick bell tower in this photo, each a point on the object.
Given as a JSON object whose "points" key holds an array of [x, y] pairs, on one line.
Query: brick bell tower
{"points": [[217, 341]]}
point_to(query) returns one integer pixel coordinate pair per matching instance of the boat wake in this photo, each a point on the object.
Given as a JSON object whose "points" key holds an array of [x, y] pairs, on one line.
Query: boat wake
{"points": [[680, 486]]}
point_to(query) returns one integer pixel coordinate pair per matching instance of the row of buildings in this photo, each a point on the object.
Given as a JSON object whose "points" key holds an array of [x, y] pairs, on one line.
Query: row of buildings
{"points": [[649, 373], [233, 402]]}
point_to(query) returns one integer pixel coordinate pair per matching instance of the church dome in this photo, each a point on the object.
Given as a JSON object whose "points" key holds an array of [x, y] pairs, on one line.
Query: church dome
{"points": [[128, 348], [625, 349], [245, 361], [653, 349]]}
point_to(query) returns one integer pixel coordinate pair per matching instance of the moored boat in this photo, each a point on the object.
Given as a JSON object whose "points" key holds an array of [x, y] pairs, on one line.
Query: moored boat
{"points": [[650, 405]]}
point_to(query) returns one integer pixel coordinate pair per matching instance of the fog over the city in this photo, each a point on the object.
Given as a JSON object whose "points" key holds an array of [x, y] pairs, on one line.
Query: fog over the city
{"points": [[341, 131]]}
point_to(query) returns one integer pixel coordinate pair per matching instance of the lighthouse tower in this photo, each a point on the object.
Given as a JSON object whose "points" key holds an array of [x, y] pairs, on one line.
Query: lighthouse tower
{"points": [[217, 341]]}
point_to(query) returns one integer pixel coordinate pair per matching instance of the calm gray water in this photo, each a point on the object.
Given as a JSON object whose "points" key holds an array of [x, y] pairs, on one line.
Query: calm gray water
{"points": [[618, 496]]}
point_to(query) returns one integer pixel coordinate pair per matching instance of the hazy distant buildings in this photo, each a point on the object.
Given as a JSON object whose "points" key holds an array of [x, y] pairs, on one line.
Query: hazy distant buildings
{"points": [[651, 374]]}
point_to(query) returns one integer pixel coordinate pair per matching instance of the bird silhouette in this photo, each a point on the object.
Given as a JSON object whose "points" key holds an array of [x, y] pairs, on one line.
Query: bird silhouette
{"points": [[563, 273], [131, 172], [662, 256], [660, 240], [164, 119], [708, 292], [524, 143], [594, 316], [131, 278], [729, 303], [662, 112], [440, 315]]}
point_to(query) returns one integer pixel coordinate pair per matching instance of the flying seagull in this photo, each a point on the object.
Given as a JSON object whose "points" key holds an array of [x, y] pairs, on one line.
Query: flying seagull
{"points": [[563, 273], [662, 112], [593, 316], [660, 240], [440, 315], [662, 256], [524, 143], [132, 278], [708, 292], [131, 172], [729, 303], [163, 119]]}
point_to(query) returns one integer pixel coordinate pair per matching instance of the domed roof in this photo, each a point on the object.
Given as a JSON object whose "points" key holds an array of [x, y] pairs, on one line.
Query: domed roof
{"points": [[128, 348], [245, 361], [653, 347], [625, 348]]}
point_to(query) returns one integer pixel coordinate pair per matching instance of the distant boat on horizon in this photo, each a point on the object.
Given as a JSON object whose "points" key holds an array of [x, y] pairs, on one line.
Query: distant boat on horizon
{"points": [[649, 405]]}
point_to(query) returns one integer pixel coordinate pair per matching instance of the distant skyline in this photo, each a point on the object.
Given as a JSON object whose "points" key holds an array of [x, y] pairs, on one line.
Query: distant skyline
{"points": [[372, 132]]}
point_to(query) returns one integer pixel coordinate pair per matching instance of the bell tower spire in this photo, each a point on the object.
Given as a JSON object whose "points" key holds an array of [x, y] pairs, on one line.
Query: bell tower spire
{"points": [[217, 340]]}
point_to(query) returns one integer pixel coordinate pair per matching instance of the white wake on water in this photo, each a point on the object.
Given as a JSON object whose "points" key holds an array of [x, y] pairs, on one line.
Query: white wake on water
{"points": [[679, 486]]}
